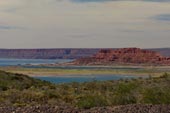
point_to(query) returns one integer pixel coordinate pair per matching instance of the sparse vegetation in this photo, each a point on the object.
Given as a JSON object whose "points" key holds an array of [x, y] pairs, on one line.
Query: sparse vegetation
{"points": [[120, 70], [21, 90]]}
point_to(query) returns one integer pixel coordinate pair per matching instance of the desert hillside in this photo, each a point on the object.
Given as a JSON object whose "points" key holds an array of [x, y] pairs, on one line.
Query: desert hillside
{"points": [[20, 93]]}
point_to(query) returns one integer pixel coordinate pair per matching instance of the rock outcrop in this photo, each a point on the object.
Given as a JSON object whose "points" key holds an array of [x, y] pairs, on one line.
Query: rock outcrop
{"points": [[124, 56], [63, 109], [59, 53]]}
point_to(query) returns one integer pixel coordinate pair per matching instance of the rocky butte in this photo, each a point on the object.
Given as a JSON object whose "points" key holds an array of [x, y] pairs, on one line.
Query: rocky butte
{"points": [[124, 56]]}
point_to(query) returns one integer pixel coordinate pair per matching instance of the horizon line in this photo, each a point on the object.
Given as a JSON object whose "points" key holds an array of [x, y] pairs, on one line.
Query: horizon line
{"points": [[82, 48]]}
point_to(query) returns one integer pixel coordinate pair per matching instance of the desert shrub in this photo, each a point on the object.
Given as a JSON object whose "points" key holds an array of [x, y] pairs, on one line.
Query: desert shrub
{"points": [[68, 98], [124, 88], [52, 94], [124, 94], [89, 101], [165, 75], [91, 86], [21, 90], [124, 99], [156, 95], [3, 87]]}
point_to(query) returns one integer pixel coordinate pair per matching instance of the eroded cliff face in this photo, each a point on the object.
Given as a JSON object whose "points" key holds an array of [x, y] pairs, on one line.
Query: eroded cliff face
{"points": [[60, 53], [124, 56]]}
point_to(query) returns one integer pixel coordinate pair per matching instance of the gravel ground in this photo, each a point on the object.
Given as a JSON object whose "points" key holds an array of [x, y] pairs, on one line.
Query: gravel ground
{"points": [[117, 109]]}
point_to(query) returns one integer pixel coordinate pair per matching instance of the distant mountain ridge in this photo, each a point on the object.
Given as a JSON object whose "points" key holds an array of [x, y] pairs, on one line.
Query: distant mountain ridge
{"points": [[163, 51], [46, 53], [64, 53]]}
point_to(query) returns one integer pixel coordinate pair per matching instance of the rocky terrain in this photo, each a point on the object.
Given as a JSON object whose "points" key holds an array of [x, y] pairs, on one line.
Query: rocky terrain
{"points": [[62, 109], [124, 56], [59, 53]]}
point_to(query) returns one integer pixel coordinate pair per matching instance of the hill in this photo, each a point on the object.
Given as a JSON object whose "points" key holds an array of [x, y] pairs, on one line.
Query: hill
{"points": [[10, 81], [124, 56], [21, 93]]}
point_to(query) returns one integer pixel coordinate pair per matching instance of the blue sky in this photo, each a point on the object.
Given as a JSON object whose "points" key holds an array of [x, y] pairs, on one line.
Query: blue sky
{"points": [[84, 23]]}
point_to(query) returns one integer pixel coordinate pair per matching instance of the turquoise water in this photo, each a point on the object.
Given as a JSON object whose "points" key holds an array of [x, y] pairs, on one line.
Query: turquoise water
{"points": [[65, 79], [84, 67], [15, 62], [88, 78]]}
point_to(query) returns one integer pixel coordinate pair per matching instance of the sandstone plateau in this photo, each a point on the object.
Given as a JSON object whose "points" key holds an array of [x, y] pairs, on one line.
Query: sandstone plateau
{"points": [[63, 53], [46, 53], [124, 56]]}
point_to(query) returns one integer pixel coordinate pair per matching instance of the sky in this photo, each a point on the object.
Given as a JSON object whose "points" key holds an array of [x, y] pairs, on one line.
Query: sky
{"points": [[84, 23]]}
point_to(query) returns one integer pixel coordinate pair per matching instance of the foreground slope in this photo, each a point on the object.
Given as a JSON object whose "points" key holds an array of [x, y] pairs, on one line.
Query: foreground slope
{"points": [[10, 81], [21, 93]]}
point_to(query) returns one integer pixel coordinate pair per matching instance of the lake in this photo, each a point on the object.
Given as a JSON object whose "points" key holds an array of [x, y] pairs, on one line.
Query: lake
{"points": [[16, 62], [69, 78], [87, 78]]}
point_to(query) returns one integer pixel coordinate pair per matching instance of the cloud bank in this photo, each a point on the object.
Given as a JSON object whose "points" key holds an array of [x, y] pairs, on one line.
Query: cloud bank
{"points": [[84, 23], [163, 17]]}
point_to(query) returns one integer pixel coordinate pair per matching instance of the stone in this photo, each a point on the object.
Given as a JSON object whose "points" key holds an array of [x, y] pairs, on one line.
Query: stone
{"points": [[124, 56]]}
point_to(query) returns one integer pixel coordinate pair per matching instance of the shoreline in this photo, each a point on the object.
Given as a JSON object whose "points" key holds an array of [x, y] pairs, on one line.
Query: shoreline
{"points": [[92, 75], [80, 71]]}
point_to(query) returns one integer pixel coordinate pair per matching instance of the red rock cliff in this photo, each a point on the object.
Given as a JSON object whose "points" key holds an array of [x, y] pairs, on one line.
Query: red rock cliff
{"points": [[125, 56]]}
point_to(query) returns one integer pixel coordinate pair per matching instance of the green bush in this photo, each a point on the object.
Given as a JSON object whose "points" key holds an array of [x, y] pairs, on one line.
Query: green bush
{"points": [[156, 95], [165, 75], [124, 94], [89, 101]]}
